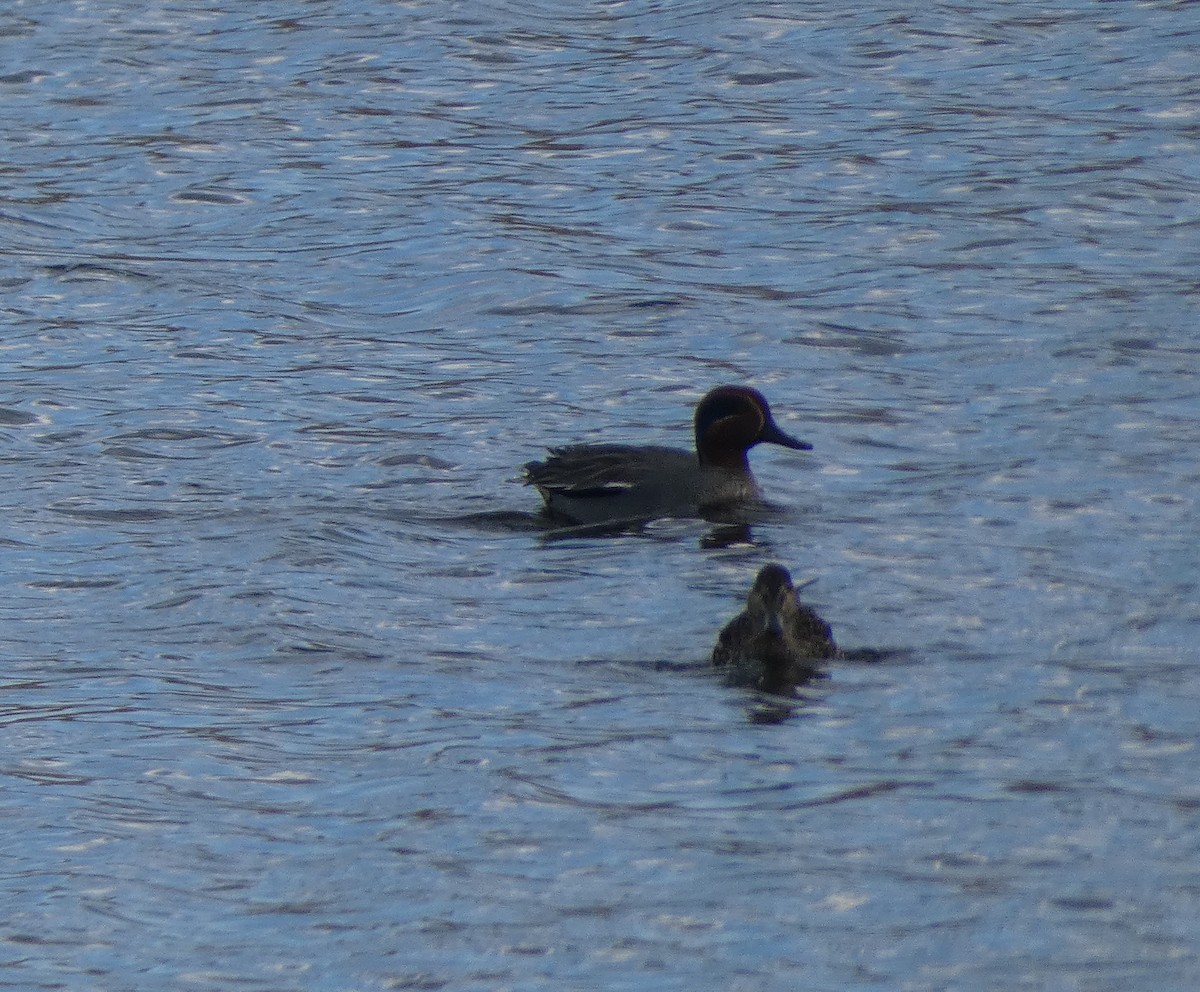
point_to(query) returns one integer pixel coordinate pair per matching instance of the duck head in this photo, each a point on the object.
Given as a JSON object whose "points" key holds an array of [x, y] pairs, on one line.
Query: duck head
{"points": [[771, 599], [787, 630], [771, 603], [731, 420]]}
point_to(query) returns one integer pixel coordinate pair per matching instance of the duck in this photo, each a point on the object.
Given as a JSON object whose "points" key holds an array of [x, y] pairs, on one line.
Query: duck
{"points": [[597, 483], [776, 643]]}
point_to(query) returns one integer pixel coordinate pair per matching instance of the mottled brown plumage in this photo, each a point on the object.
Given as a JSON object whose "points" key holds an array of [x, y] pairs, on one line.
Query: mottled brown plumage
{"points": [[777, 642]]}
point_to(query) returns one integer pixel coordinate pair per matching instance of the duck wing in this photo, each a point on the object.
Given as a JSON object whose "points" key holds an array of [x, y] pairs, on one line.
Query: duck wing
{"points": [[730, 642], [587, 471]]}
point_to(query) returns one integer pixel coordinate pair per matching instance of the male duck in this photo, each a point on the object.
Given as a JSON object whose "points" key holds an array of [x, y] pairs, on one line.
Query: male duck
{"points": [[594, 483], [776, 643]]}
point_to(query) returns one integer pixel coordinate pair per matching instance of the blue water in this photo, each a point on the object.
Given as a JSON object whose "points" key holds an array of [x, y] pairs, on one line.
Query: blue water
{"points": [[297, 696]]}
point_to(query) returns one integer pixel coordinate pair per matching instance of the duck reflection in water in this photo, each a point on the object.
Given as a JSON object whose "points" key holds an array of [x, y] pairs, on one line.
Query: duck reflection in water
{"points": [[776, 643]]}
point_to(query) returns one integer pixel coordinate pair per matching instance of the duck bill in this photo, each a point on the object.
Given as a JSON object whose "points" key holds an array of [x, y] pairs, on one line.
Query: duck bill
{"points": [[771, 434], [773, 624]]}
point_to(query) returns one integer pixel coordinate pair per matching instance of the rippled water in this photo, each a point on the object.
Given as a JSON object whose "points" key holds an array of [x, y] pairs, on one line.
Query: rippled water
{"points": [[295, 694]]}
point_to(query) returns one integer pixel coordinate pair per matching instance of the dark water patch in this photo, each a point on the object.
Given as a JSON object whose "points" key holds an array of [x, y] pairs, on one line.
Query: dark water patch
{"points": [[95, 271], [117, 515], [66, 585], [211, 197], [24, 77], [17, 418], [130, 453]]}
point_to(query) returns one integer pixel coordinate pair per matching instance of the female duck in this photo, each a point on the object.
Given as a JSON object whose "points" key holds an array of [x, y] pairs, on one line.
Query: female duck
{"points": [[776, 643], [593, 483]]}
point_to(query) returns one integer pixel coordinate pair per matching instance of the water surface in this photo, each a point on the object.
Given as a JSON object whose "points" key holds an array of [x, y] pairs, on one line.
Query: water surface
{"points": [[295, 695]]}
